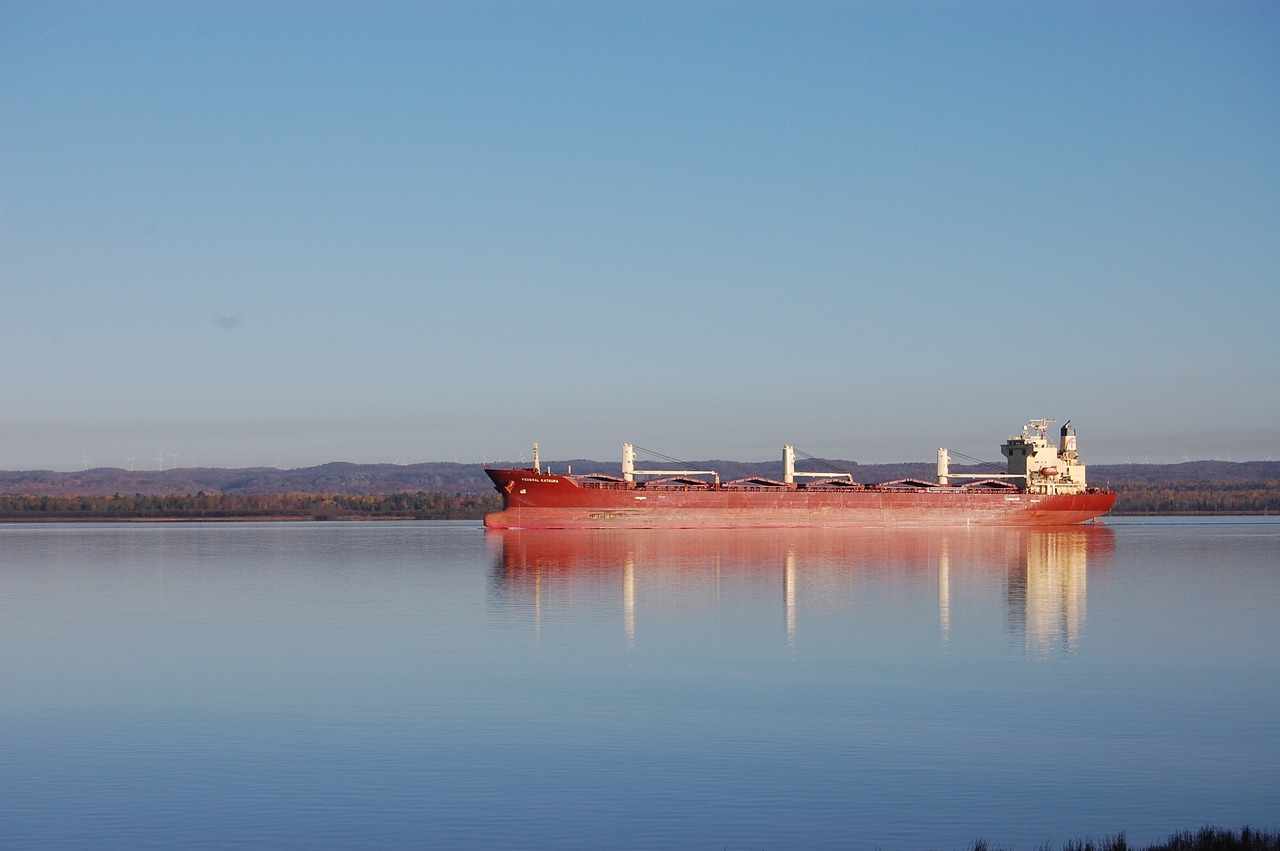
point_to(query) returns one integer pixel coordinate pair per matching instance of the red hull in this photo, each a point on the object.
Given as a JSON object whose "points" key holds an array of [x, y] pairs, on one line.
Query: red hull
{"points": [[534, 500]]}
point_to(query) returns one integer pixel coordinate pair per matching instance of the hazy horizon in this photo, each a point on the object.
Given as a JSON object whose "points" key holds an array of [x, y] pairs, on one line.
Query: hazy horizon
{"points": [[154, 464]]}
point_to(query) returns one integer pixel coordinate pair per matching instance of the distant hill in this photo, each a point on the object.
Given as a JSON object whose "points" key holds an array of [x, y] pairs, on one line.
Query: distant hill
{"points": [[454, 478], [1230, 472]]}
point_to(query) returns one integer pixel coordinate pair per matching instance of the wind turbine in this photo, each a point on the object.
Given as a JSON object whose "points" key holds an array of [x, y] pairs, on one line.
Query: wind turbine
{"points": [[174, 456], [130, 459], [160, 459]]}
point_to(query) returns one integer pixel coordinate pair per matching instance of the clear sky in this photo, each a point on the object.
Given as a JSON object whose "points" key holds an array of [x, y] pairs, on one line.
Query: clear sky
{"points": [[248, 233]]}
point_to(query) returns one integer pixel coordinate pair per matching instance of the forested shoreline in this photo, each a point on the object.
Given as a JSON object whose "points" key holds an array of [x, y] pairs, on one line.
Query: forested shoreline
{"points": [[226, 506], [1168, 498], [1175, 498]]}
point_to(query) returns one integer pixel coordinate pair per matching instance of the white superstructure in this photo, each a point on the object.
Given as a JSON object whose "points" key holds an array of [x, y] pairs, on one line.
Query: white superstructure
{"points": [[1043, 468]]}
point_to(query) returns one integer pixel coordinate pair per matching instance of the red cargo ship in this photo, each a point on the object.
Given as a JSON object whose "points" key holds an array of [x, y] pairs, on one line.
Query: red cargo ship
{"points": [[1043, 486]]}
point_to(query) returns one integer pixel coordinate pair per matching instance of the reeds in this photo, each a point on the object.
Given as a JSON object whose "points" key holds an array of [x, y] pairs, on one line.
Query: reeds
{"points": [[1205, 839]]}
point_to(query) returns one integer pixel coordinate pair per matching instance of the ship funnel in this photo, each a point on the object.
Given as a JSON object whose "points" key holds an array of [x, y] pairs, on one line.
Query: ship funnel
{"points": [[1067, 445]]}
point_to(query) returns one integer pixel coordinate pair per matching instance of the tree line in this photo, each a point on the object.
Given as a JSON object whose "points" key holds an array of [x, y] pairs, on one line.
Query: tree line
{"points": [[1261, 497], [226, 506]]}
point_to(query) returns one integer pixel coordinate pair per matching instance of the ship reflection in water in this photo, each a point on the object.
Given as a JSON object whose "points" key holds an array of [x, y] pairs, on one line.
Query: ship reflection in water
{"points": [[1040, 574]]}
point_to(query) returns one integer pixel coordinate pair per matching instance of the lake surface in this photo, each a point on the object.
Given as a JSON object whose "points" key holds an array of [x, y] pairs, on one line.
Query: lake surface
{"points": [[397, 685]]}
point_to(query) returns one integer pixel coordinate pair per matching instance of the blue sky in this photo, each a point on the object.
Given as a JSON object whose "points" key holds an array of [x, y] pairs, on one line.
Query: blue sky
{"points": [[286, 233]]}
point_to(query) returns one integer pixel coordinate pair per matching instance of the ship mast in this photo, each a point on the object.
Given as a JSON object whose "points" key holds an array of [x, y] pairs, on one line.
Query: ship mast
{"points": [[789, 471], [629, 471]]}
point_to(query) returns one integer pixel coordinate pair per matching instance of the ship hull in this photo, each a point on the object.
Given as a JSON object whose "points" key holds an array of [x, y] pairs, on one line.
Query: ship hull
{"points": [[534, 500]]}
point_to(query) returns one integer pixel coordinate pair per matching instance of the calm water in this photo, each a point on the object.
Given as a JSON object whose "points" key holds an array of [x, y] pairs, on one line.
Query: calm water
{"points": [[430, 685]]}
